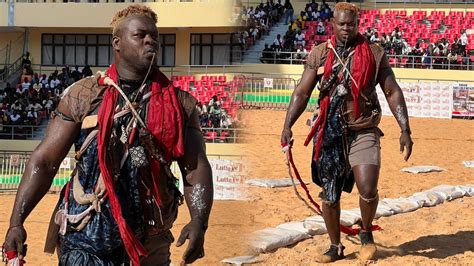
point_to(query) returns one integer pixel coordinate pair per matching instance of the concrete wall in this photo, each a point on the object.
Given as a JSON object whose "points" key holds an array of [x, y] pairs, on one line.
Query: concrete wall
{"points": [[214, 13], [212, 149]]}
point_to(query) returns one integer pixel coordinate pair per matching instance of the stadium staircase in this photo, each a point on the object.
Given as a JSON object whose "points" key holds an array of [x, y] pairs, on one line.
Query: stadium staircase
{"points": [[252, 55]]}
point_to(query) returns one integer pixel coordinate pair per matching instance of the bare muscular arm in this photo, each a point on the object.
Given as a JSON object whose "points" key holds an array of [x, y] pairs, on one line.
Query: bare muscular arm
{"points": [[396, 102], [198, 191], [38, 176], [298, 102]]}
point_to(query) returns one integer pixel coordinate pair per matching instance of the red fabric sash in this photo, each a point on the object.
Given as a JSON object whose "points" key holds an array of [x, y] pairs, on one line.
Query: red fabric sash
{"points": [[164, 122], [362, 70]]}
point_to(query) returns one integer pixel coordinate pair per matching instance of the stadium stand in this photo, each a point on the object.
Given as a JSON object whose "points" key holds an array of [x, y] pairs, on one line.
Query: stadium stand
{"points": [[429, 39], [216, 103]]}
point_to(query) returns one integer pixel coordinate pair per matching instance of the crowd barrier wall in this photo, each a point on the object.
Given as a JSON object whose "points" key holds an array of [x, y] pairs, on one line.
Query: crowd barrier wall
{"points": [[223, 159]]}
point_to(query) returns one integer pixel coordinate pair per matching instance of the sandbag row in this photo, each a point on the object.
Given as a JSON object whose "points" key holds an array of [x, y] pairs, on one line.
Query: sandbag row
{"points": [[286, 234]]}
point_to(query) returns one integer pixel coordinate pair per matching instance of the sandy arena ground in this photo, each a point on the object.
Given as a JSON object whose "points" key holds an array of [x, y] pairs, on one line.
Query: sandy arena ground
{"points": [[440, 235]]}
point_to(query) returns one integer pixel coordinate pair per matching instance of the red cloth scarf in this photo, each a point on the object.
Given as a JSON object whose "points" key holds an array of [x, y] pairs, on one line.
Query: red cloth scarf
{"points": [[165, 122], [362, 69]]}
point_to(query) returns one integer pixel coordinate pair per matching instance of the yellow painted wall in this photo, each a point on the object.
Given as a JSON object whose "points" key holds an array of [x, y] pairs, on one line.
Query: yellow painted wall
{"points": [[13, 39], [3, 14], [211, 148], [183, 41], [214, 13]]}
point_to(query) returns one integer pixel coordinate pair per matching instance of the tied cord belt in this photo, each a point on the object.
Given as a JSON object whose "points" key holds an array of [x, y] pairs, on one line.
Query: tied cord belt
{"points": [[286, 148]]}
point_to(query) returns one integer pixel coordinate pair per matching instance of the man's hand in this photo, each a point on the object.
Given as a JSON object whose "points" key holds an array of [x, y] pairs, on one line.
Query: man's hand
{"points": [[194, 231], [406, 143], [286, 136], [15, 240]]}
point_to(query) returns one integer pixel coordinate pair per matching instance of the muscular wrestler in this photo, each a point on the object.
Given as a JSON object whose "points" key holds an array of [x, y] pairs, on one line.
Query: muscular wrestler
{"points": [[346, 136], [128, 124]]}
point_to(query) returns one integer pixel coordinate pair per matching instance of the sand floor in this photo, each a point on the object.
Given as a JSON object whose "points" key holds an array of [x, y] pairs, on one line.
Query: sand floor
{"points": [[440, 235]]}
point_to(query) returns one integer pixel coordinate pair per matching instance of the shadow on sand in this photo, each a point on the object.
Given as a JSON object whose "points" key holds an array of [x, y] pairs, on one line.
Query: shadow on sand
{"points": [[434, 246]]}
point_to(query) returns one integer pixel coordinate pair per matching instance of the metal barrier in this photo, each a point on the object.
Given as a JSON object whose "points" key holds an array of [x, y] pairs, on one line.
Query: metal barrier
{"points": [[266, 91], [400, 61], [219, 135], [21, 131], [13, 164], [260, 92]]}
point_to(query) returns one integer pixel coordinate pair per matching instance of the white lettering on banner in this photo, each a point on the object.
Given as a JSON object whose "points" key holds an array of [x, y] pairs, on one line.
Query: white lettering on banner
{"points": [[15, 160], [423, 99], [268, 83], [66, 163]]}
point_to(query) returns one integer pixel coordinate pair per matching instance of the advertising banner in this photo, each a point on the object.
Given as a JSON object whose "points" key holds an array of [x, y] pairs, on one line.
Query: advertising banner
{"points": [[423, 99], [463, 100]]}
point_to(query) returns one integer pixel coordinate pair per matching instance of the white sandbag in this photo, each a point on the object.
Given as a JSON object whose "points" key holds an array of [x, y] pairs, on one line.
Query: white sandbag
{"points": [[271, 183], [405, 204], [383, 211], [422, 169], [350, 217], [307, 227], [451, 192], [468, 189], [272, 238], [315, 219], [428, 198], [242, 260], [393, 207], [468, 164]]}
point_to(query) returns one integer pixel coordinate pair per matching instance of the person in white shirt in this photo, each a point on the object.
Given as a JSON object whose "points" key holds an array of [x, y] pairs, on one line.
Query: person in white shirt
{"points": [[54, 83], [375, 38], [43, 80], [15, 117], [320, 29], [25, 85], [464, 41], [299, 38]]}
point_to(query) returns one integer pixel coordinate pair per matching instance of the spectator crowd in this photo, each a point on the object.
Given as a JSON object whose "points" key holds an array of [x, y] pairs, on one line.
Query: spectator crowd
{"points": [[439, 54], [303, 31], [256, 22], [34, 98], [293, 47]]}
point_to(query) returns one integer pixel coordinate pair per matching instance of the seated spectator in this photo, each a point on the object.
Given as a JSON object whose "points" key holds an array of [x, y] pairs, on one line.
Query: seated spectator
{"points": [[268, 55], [375, 38], [320, 29], [35, 78], [15, 118], [278, 43], [315, 15], [25, 85], [44, 80], [368, 33], [453, 57], [299, 38], [54, 83], [326, 14], [396, 34], [76, 74], [215, 115], [302, 18], [86, 71]]}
